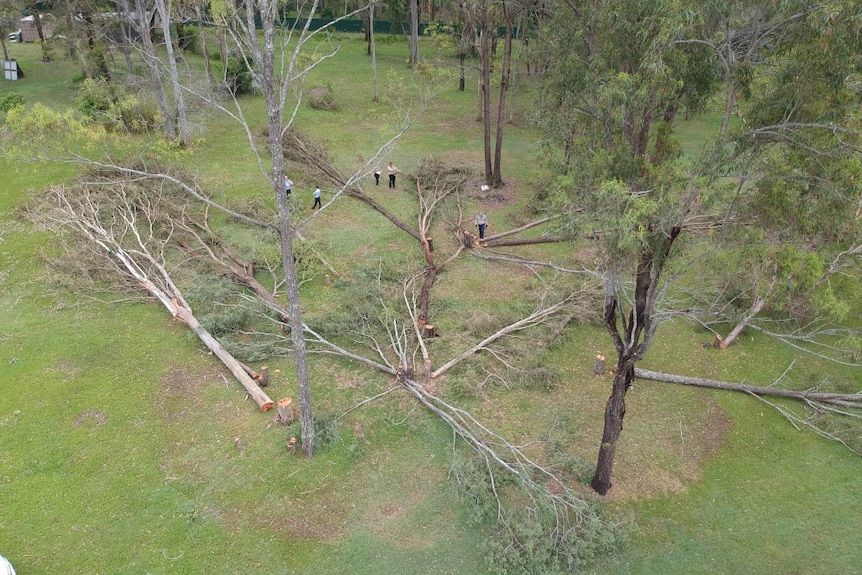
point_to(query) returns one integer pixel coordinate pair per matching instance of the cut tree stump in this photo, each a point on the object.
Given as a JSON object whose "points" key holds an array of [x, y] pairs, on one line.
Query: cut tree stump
{"points": [[718, 343], [262, 378], [286, 413], [599, 366], [429, 330], [469, 240]]}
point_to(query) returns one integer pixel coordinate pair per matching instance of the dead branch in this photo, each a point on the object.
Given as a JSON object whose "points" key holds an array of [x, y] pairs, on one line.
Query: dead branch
{"points": [[538, 316], [756, 306]]}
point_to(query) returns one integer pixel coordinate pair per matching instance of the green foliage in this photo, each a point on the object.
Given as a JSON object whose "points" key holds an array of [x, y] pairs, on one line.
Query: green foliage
{"points": [[113, 107], [9, 101], [39, 131], [238, 76], [530, 534]]}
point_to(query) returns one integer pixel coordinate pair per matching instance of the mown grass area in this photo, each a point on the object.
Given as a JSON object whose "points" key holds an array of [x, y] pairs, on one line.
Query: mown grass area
{"points": [[118, 433]]}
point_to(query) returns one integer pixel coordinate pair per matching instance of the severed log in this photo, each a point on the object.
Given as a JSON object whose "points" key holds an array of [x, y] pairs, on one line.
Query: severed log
{"points": [[756, 307], [521, 229], [522, 242], [236, 368], [853, 400]]}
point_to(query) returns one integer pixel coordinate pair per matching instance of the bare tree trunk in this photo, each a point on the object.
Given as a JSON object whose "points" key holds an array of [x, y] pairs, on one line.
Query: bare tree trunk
{"points": [[841, 399], [501, 105], [373, 50], [203, 36], [414, 32], [485, 90], [265, 62], [756, 307], [37, 20], [615, 411], [179, 101], [152, 62]]}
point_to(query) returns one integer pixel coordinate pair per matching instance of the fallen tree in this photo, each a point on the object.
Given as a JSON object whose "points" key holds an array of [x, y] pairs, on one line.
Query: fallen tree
{"points": [[120, 227]]}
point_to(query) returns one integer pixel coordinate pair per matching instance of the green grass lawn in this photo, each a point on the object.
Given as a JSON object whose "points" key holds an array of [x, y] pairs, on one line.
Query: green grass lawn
{"points": [[118, 432]]}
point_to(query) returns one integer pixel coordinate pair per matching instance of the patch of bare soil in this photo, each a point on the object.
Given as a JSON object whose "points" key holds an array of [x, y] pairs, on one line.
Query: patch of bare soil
{"points": [[90, 418], [693, 445], [180, 393]]}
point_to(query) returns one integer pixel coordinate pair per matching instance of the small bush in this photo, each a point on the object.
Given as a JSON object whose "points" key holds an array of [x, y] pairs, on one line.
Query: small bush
{"points": [[238, 77], [109, 105], [322, 99], [9, 101]]}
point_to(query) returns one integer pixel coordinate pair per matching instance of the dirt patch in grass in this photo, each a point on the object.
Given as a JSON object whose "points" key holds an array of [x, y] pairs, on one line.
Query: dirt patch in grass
{"points": [[671, 462], [90, 418], [181, 390]]}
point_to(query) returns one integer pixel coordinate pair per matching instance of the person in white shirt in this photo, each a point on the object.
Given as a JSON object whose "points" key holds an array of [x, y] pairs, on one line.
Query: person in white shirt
{"points": [[317, 203]]}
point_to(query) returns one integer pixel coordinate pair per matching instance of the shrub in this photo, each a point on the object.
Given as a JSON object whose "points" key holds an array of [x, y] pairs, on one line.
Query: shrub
{"points": [[109, 105], [322, 99], [238, 76], [9, 101]]}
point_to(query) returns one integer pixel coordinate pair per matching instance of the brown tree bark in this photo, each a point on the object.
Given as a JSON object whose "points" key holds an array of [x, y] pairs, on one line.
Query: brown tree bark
{"points": [[497, 179]]}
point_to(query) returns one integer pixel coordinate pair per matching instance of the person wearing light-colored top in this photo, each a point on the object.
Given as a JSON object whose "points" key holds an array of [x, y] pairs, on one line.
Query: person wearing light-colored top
{"points": [[481, 223], [316, 198], [392, 171]]}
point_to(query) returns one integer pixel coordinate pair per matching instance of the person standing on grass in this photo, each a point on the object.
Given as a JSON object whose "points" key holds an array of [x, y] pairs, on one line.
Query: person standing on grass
{"points": [[481, 223], [377, 176], [317, 203], [287, 185], [392, 171]]}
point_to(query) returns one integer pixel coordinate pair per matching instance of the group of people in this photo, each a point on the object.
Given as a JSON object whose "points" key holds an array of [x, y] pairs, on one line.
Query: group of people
{"points": [[288, 184], [391, 169], [481, 218]]}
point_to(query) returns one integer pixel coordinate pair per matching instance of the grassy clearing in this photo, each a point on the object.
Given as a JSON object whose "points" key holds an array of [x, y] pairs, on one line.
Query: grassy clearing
{"points": [[117, 434]]}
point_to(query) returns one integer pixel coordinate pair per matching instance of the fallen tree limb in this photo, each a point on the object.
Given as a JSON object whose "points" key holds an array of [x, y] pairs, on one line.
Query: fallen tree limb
{"points": [[851, 400]]}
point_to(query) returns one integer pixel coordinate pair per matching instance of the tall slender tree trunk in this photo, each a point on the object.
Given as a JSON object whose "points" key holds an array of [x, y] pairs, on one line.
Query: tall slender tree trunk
{"points": [[152, 62], [179, 101], [485, 90], [501, 105], [373, 51], [204, 50], [266, 62], [414, 32], [37, 20], [615, 411]]}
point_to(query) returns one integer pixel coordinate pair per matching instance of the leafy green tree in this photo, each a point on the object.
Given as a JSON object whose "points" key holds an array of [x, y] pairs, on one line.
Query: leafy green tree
{"points": [[620, 72]]}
